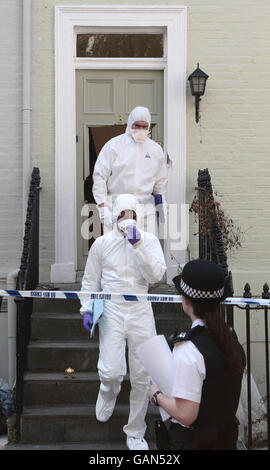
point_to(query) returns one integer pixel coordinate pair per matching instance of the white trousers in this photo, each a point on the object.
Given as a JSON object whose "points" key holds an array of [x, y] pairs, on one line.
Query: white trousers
{"points": [[126, 324]]}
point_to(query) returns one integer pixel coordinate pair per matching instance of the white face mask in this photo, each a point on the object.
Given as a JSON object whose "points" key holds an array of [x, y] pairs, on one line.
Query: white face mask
{"points": [[124, 224], [139, 135]]}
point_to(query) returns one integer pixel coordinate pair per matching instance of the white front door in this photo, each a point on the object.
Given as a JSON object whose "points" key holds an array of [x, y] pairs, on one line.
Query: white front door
{"points": [[104, 99]]}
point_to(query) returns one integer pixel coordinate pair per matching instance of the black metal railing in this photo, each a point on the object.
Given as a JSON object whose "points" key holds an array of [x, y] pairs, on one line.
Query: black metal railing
{"points": [[211, 247], [28, 279], [265, 399]]}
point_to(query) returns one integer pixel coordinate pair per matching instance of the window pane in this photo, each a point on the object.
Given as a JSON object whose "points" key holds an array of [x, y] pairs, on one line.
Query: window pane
{"points": [[201, 86], [195, 81], [119, 45]]}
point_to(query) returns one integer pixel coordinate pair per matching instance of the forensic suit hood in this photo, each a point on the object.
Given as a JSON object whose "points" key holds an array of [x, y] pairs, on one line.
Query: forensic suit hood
{"points": [[138, 114], [127, 202]]}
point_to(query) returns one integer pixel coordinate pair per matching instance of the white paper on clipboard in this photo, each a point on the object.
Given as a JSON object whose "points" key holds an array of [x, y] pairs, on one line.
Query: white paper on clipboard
{"points": [[157, 359]]}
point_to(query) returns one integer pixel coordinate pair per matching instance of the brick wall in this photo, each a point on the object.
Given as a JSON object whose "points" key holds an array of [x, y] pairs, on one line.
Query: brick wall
{"points": [[11, 136], [230, 40]]}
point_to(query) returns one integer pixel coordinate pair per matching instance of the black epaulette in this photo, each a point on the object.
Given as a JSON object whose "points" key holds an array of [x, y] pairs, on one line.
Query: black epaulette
{"points": [[172, 338], [186, 335]]}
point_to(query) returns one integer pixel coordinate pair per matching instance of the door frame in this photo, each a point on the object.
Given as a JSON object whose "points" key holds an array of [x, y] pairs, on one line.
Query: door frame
{"points": [[69, 20]]}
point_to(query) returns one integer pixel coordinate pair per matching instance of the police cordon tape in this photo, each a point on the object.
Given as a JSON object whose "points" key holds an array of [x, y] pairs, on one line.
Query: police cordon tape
{"points": [[78, 295]]}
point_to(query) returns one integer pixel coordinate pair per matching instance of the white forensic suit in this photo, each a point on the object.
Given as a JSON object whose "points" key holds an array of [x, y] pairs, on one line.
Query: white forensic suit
{"points": [[126, 166], [114, 265]]}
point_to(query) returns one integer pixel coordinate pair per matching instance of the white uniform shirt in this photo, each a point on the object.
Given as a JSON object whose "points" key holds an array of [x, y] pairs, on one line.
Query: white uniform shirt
{"points": [[189, 370]]}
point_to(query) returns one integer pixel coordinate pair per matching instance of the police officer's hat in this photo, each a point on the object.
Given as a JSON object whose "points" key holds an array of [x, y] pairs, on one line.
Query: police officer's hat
{"points": [[201, 280]]}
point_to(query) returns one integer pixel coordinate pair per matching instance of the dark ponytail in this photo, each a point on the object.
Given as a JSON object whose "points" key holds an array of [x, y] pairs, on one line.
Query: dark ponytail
{"points": [[211, 313]]}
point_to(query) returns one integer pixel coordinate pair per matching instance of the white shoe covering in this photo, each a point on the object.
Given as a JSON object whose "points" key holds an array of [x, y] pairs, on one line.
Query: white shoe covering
{"points": [[134, 443], [105, 403]]}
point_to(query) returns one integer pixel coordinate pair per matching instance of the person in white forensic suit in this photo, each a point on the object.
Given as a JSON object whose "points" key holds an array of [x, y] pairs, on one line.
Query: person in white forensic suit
{"points": [[135, 164], [124, 260]]}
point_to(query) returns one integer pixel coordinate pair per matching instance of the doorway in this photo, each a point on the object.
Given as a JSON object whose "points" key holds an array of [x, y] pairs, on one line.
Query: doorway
{"points": [[104, 99], [70, 20]]}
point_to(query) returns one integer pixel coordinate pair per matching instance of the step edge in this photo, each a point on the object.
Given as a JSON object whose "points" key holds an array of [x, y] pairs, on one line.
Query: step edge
{"points": [[74, 410], [43, 344], [41, 377]]}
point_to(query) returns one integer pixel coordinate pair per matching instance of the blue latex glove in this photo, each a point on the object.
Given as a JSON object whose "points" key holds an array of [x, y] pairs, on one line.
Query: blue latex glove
{"points": [[133, 234], [87, 320], [158, 199], [159, 208]]}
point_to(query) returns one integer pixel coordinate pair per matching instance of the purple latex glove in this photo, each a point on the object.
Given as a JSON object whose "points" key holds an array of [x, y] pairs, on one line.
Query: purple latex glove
{"points": [[87, 320], [133, 234]]}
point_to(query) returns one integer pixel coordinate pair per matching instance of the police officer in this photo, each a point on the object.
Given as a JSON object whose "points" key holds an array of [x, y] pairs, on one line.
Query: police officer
{"points": [[208, 367]]}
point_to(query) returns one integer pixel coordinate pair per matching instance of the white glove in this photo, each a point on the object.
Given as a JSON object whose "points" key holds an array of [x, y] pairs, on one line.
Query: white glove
{"points": [[124, 224], [104, 214]]}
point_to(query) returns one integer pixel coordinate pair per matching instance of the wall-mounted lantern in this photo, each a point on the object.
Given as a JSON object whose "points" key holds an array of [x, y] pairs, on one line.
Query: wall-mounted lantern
{"points": [[197, 81]]}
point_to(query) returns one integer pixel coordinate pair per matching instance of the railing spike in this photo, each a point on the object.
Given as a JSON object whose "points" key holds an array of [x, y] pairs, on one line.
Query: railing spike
{"points": [[266, 293], [247, 293]]}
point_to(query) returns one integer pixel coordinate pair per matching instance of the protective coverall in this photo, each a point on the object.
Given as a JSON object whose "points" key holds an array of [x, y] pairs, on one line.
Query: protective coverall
{"points": [[114, 265], [126, 166]]}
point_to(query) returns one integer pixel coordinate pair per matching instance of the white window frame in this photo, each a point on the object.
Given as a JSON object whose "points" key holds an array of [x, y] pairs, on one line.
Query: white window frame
{"points": [[69, 20]]}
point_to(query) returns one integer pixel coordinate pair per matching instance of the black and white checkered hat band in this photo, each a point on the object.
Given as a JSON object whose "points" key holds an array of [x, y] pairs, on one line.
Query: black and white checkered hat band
{"points": [[201, 294]]}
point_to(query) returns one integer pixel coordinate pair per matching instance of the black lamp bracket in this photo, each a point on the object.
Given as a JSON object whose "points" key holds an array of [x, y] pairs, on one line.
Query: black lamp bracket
{"points": [[197, 107]]}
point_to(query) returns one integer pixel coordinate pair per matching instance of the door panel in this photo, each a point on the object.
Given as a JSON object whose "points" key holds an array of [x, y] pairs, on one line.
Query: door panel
{"points": [[98, 96], [146, 90], [104, 99]]}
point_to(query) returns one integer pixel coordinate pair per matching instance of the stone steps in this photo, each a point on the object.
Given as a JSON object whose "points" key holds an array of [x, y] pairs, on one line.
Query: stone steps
{"points": [[57, 326], [68, 326], [54, 388], [111, 446], [59, 412], [77, 423], [56, 356]]}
